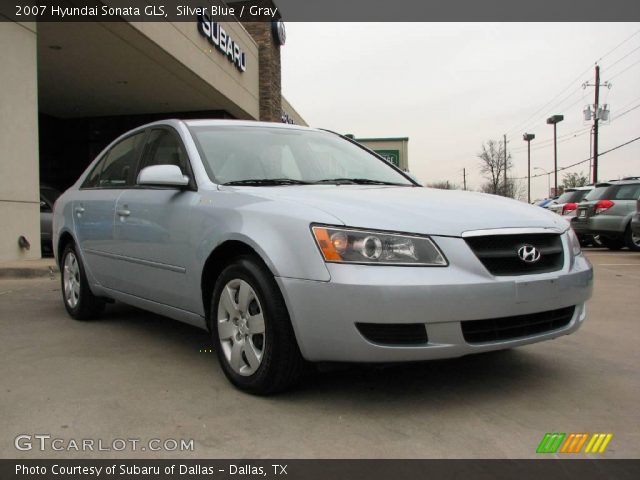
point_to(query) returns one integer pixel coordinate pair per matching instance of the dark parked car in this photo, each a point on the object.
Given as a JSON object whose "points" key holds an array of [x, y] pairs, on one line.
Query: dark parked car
{"points": [[48, 197], [567, 203]]}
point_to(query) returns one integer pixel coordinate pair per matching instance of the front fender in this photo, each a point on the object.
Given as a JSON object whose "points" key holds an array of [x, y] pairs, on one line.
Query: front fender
{"points": [[279, 231]]}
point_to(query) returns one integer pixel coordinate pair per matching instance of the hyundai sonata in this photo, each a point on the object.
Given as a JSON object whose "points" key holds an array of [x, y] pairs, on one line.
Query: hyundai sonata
{"points": [[293, 245]]}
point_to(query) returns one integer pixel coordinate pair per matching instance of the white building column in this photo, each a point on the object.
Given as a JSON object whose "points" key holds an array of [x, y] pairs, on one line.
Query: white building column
{"points": [[19, 160]]}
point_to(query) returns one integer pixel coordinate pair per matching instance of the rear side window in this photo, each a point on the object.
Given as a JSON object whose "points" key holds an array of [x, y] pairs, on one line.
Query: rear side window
{"points": [[117, 168], [597, 193], [626, 192]]}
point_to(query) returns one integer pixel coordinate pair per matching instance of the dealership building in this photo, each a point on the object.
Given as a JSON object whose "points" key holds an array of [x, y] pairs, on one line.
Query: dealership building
{"points": [[68, 89]]}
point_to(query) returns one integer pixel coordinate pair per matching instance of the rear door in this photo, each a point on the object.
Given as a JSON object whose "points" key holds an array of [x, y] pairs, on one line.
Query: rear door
{"points": [[152, 231], [94, 208]]}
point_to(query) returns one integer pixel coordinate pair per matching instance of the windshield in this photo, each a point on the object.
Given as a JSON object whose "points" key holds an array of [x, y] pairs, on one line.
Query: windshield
{"points": [[597, 193], [258, 156]]}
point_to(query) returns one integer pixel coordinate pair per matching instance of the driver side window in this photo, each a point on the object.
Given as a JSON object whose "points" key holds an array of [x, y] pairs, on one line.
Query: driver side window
{"points": [[165, 148]]}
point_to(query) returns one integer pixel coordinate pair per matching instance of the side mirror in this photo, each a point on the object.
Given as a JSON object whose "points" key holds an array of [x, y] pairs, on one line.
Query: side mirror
{"points": [[163, 175]]}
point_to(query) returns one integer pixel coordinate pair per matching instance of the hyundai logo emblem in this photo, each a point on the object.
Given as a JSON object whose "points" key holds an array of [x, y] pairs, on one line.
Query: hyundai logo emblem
{"points": [[529, 254]]}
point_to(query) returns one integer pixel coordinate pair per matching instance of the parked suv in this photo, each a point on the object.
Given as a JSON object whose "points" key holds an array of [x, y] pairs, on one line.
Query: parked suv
{"points": [[607, 212]]}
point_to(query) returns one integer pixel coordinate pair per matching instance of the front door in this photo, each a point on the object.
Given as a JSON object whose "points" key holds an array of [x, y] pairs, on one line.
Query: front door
{"points": [[151, 228]]}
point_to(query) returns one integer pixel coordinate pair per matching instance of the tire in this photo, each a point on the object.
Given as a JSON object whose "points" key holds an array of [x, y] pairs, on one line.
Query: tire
{"points": [[612, 243], [632, 240], [77, 297], [252, 331]]}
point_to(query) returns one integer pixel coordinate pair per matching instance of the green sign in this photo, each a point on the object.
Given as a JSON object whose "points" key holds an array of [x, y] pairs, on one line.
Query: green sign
{"points": [[391, 156]]}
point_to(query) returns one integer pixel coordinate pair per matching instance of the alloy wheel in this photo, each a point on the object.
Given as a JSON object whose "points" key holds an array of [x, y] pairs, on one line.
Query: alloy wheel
{"points": [[241, 327], [71, 280]]}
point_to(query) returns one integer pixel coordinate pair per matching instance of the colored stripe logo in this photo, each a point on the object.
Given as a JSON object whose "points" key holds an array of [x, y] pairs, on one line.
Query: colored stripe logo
{"points": [[574, 442]]}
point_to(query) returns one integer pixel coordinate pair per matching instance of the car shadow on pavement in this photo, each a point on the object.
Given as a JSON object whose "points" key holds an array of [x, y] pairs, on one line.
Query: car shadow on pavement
{"points": [[491, 374]]}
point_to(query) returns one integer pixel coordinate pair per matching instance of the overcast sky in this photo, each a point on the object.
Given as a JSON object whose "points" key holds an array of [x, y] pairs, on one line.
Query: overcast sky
{"points": [[449, 87]]}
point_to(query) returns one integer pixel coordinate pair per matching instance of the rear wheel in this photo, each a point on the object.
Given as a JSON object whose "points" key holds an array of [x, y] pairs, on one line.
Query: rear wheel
{"points": [[632, 240], [78, 299], [612, 243], [252, 331]]}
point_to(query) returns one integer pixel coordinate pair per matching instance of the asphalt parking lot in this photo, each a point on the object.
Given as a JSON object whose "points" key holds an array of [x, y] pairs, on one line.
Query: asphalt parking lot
{"points": [[132, 374]]}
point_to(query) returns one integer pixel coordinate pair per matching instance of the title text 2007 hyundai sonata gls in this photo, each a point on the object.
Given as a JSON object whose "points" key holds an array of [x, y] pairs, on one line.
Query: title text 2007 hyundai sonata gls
{"points": [[294, 245]]}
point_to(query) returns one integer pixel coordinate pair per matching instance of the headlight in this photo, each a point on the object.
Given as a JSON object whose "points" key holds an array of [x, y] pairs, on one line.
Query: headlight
{"points": [[574, 243], [346, 245]]}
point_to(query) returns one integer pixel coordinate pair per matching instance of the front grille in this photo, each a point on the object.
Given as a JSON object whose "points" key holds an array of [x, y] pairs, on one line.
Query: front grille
{"points": [[509, 328], [394, 333], [499, 253]]}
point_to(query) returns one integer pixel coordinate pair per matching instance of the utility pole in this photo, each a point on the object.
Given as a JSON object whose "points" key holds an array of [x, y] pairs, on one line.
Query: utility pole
{"points": [[464, 178], [600, 112], [505, 164], [595, 126]]}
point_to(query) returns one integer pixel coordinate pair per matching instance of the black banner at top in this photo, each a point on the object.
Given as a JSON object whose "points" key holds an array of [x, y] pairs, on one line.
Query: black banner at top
{"points": [[322, 10]]}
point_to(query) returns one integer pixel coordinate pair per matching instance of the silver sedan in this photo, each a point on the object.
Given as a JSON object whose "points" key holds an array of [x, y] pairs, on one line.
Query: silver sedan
{"points": [[293, 245]]}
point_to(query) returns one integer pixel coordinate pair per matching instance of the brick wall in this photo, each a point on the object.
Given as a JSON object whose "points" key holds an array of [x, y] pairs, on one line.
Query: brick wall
{"points": [[269, 70]]}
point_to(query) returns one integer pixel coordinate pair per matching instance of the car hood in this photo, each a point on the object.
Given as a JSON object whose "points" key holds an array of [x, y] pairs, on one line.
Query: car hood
{"points": [[415, 210]]}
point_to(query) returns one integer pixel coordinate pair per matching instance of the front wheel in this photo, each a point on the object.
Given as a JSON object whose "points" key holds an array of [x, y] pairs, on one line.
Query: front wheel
{"points": [[78, 299], [251, 329]]}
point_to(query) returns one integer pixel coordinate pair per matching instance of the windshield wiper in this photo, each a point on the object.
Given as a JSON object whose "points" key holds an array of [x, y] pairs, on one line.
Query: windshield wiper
{"points": [[359, 181], [261, 182]]}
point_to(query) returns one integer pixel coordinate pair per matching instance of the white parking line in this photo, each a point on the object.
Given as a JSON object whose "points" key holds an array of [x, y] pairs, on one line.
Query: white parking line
{"points": [[618, 264]]}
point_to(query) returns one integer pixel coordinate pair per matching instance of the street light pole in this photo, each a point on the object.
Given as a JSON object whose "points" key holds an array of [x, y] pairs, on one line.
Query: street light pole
{"points": [[554, 120], [527, 137]]}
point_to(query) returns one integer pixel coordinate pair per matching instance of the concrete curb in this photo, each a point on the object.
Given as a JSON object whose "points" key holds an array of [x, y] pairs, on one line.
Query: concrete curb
{"points": [[27, 270]]}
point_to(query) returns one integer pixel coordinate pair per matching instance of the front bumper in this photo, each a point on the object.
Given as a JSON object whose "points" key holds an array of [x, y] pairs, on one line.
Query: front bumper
{"points": [[324, 314]]}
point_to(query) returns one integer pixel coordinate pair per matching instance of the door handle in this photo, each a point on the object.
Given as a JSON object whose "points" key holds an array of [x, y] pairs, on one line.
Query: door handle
{"points": [[123, 212]]}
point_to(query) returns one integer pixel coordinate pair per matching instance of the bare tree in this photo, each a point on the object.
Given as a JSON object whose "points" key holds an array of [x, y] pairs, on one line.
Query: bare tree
{"points": [[515, 189], [492, 167], [576, 179]]}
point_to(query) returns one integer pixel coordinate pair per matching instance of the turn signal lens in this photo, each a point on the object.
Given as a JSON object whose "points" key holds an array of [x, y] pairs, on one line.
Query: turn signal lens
{"points": [[346, 245]]}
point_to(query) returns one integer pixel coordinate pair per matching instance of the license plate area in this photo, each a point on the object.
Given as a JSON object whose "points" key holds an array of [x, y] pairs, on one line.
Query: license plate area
{"points": [[538, 290]]}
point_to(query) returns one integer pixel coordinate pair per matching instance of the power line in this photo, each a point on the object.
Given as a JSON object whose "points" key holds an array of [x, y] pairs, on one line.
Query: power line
{"points": [[527, 121], [625, 112], [622, 58], [618, 46], [549, 142], [621, 72], [573, 82], [582, 161]]}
